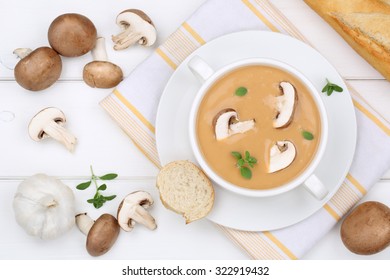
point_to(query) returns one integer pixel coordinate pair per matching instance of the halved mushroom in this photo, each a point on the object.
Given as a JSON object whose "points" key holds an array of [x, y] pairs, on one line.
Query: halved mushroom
{"points": [[101, 234], [226, 123], [38, 69], [72, 35], [132, 209], [100, 73], [50, 122], [285, 105], [136, 27], [282, 154]]}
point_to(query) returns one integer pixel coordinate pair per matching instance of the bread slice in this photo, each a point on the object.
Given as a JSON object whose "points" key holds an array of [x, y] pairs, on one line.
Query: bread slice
{"points": [[364, 24], [185, 189]]}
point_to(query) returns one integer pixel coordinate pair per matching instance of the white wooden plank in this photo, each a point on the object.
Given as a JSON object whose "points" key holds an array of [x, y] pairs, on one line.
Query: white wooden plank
{"points": [[100, 140], [172, 239], [25, 24], [327, 41]]}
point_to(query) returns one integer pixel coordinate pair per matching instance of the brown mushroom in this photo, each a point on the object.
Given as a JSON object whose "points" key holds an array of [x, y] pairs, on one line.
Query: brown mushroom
{"points": [[72, 35], [366, 230], [101, 234], [136, 27], [38, 69], [101, 73]]}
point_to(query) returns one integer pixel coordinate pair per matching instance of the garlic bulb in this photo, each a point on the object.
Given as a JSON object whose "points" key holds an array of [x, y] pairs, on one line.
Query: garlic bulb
{"points": [[44, 206]]}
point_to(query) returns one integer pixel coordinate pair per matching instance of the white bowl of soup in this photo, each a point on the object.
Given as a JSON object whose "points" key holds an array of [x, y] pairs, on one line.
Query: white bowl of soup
{"points": [[258, 127]]}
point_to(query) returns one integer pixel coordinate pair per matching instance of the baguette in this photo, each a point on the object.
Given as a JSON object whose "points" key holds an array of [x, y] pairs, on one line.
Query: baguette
{"points": [[364, 24], [186, 190]]}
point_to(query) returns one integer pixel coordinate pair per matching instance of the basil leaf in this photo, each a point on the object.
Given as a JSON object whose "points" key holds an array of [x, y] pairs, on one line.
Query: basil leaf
{"points": [[102, 187]]}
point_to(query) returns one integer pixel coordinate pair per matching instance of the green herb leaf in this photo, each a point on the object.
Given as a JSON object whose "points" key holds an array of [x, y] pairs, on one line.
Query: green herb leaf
{"points": [[330, 87], [83, 186], [243, 163], [246, 172], [109, 176], [240, 162], [108, 198], [307, 135], [241, 91], [102, 187], [237, 155]]}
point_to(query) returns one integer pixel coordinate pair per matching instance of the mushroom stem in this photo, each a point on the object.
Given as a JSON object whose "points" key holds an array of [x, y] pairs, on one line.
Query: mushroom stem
{"points": [[126, 38], [22, 52], [84, 223], [99, 52], [143, 217], [60, 134]]}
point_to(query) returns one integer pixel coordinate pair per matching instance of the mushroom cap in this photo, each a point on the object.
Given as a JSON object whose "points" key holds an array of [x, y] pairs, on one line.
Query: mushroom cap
{"points": [[102, 74], [38, 70], [102, 235], [140, 13], [226, 123], [41, 119], [366, 230], [72, 35]]}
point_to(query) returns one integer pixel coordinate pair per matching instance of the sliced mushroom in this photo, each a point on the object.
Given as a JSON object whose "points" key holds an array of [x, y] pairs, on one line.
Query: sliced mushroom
{"points": [[282, 154], [132, 209], [50, 122], [38, 69], [100, 73], [285, 105], [226, 124], [136, 27], [72, 35], [101, 234]]}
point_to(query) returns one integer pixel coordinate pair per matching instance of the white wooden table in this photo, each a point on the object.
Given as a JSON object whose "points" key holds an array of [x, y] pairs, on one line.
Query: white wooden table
{"points": [[101, 142]]}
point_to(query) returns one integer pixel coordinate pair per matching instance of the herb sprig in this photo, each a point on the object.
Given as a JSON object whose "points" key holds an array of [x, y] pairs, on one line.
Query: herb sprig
{"points": [[98, 199], [244, 163], [330, 87]]}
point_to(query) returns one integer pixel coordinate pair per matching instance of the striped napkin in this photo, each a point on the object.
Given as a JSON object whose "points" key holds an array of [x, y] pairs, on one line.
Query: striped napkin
{"points": [[133, 105]]}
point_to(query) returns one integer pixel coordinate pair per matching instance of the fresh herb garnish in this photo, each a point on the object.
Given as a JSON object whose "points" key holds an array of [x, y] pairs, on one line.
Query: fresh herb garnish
{"points": [[330, 87], [307, 135], [243, 163], [98, 199], [241, 91]]}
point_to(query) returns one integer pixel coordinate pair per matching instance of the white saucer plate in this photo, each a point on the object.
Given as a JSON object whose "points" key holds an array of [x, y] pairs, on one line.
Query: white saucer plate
{"points": [[264, 213]]}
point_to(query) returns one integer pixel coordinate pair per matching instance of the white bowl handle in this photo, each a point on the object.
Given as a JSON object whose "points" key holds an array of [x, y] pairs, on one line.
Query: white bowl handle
{"points": [[316, 187], [200, 68]]}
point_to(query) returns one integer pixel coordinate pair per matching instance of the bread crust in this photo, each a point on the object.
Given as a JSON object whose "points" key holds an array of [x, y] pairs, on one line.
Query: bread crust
{"points": [[335, 13]]}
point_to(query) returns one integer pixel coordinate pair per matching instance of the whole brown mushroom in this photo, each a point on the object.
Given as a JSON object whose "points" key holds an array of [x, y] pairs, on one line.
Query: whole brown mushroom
{"points": [[366, 230], [100, 73], [72, 35], [101, 234], [38, 69]]}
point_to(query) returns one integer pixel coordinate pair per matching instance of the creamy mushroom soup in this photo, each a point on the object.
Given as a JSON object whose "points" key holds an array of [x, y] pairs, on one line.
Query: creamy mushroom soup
{"points": [[258, 127]]}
